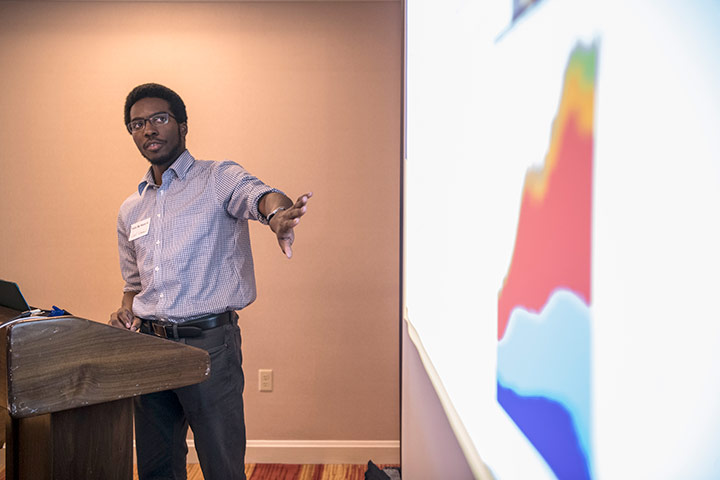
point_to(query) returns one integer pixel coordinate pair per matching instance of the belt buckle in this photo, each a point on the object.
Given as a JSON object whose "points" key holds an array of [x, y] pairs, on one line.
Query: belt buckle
{"points": [[160, 329]]}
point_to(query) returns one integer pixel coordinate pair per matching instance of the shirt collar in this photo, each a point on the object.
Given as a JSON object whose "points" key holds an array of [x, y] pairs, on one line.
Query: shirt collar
{"points": [[179, 167]]}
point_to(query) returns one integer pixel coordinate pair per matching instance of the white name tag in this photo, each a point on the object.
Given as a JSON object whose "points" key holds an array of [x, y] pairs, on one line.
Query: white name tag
{"points": [[139, 229]]}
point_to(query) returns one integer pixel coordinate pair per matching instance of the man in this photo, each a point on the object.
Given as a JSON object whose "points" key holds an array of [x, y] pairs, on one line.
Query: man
{"points": [[186, 260]]}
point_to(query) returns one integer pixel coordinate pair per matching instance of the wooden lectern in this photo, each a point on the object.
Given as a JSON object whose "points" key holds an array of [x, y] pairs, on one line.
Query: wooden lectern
{"points": [[67, 384]]}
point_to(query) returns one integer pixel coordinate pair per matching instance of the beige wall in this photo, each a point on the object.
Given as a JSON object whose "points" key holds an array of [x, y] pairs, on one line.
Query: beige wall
{"points": [[304, 95]]}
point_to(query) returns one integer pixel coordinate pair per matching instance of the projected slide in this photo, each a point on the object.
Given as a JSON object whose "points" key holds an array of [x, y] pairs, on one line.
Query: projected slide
{"points": [[544, 331]]}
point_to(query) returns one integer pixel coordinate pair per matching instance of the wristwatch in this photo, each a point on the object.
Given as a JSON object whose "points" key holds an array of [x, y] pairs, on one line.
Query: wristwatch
{"points": [[272, 214]]}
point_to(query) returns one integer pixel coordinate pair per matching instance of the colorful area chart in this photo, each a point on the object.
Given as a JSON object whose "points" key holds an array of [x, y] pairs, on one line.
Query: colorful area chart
{"points": [[544, 334]]}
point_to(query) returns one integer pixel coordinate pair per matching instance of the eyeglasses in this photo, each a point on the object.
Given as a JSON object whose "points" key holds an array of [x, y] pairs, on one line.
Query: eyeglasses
{"points": [[155, 120]]}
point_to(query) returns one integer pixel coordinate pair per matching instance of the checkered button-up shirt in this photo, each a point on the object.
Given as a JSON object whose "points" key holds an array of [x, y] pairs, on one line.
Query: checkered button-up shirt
{"points": [[185, 245]]}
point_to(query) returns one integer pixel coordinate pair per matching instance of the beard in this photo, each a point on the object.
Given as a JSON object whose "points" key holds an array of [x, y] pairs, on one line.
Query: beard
{"points": [[172, 155], [168, 158]]}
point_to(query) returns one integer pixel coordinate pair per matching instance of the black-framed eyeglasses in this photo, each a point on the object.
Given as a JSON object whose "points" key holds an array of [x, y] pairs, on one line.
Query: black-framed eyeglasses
{"points": [[156, 120]]}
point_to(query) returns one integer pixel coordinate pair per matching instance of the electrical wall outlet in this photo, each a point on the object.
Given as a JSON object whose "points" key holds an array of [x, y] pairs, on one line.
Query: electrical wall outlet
{"points": [[265, 380]]}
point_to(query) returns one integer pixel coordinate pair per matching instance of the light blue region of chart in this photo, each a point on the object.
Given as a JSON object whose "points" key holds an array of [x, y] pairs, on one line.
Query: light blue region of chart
{"points": [[548, 355]]}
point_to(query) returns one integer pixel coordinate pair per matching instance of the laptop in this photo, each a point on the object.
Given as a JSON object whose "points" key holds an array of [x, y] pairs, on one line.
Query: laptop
{"points": [[10, 296]]}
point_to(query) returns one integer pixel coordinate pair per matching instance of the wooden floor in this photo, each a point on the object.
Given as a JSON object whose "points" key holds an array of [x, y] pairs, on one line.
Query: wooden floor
{"points": [[268, 471]]}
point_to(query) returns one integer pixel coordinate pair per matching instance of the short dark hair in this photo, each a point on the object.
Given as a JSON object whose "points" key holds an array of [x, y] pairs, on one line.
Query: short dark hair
{"points": [[154, 90]]}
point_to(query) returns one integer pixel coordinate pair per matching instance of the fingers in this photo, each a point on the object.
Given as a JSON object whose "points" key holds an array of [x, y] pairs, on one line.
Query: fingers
{"points": [[127, 317], [286, 247], [300, 204], [299, 208], [303, 199], [289, 219], [114, 321], [123, 318], [135, 324], [285, 241]]}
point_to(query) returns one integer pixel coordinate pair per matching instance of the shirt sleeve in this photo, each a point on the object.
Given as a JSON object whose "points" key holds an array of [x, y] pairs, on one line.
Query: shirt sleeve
{"points": [[128, 264], [239, 192]]}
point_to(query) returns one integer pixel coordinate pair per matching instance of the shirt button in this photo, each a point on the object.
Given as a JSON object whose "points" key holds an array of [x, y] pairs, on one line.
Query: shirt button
{"points": [[157, 243], [157, 269], [158, 215], [162, 192], [162, 295]]}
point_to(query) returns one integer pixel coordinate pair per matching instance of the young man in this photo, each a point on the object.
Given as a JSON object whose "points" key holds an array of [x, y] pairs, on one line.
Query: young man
{"points": [[186, 260]]}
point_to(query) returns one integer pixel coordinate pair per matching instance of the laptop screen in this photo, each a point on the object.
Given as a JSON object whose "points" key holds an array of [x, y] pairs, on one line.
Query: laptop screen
{"points": [[10, 296]]}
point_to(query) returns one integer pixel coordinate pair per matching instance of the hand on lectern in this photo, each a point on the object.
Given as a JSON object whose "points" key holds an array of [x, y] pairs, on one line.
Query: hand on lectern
{"points": [[124, 318]]}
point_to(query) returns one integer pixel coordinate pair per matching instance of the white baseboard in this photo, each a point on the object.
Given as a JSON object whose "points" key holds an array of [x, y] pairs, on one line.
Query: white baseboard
{"points": [[316, 451], [307, 451]]}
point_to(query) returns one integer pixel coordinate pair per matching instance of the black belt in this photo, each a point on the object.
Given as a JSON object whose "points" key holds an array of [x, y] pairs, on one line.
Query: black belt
{"points": [[191, 328]]}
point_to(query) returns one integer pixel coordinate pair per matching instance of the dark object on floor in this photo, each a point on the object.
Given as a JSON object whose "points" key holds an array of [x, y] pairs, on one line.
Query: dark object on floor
{"points": [[374, 473]]}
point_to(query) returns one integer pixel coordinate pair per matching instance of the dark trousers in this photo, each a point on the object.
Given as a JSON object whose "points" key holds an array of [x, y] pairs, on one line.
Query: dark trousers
{"points": [[213, 409]]}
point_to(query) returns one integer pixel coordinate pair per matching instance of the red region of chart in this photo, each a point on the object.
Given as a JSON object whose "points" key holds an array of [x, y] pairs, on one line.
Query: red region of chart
{"points": [[552, 245]]}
